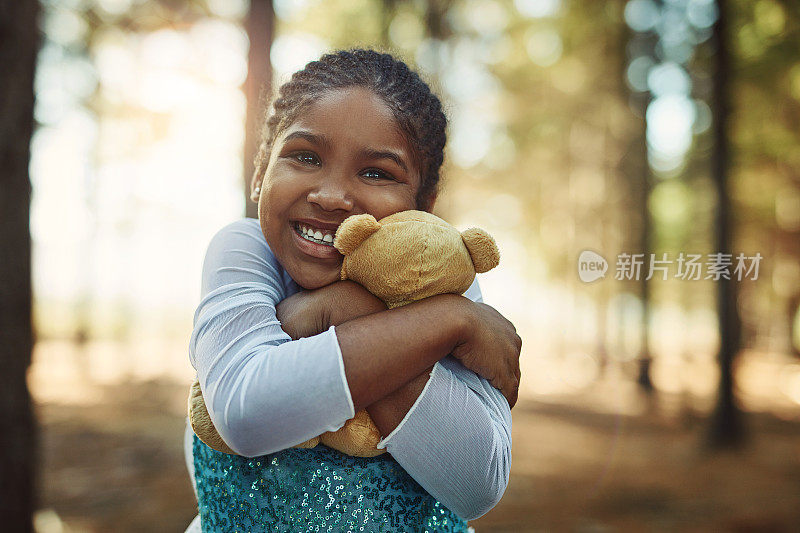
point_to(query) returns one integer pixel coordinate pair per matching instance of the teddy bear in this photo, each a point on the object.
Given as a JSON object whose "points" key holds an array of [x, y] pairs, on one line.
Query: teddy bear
{"points": [[401, 258]]}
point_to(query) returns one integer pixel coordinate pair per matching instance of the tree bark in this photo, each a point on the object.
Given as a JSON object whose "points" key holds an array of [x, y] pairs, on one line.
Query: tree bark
{"points": [[725, 428], [20, 39], [258, 86]]}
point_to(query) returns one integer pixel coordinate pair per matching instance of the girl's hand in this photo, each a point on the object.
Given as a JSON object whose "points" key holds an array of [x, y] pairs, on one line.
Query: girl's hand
{"points": [[308, 313], [491, 348]]}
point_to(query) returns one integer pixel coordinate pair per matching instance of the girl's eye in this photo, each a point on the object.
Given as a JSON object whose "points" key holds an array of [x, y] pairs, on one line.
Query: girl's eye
{"points": [[377, 175], [306, 158]]}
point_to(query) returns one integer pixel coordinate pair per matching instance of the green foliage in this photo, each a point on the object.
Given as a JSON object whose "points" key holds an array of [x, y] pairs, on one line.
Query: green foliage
{"points": [[563, 138]]}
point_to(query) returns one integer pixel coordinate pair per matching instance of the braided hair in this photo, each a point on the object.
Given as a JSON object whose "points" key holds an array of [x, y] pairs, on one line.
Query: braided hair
{"points": [[416, 109]]}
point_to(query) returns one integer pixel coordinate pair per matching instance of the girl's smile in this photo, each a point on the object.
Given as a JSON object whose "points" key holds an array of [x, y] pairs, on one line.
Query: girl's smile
{"points": [[315, 239], [344, 155]]}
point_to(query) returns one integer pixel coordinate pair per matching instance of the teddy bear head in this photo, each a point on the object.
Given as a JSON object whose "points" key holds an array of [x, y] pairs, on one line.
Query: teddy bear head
{"points": [[411, 255]]}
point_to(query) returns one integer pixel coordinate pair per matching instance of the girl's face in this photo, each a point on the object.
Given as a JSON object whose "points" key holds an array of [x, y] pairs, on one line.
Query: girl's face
{"points": [[343, 156]]}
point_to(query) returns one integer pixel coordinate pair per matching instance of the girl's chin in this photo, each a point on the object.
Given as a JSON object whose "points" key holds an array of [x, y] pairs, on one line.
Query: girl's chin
{"points": [[311, 281]]}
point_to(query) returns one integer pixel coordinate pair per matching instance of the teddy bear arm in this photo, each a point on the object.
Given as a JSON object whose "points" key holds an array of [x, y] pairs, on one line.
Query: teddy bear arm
{"points": [[359, 437], [201, 422]]}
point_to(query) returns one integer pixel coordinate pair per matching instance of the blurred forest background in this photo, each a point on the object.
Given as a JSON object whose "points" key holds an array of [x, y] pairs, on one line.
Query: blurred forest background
{"points": [[639, 126]]}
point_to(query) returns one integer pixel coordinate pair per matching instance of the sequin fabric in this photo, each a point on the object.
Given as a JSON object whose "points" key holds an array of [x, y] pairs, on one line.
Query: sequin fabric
{"points": [[316, 489]]}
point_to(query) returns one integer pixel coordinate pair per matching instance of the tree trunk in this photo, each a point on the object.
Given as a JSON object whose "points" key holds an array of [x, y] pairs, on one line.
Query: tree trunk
{"points": [[644, 359], [258, 86], [20, 39], [435, 20], [640, 186], [725, 428], [388, 9]]}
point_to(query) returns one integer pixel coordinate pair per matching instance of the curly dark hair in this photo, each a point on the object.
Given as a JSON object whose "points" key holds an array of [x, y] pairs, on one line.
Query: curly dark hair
{"points": [[416, 109]]}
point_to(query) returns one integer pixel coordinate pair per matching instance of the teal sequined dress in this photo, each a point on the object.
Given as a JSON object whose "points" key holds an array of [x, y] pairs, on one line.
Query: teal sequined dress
{"points": [[316, 489]]}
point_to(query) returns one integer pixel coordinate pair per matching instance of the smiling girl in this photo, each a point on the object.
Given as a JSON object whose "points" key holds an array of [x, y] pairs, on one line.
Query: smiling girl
{"points": [[284, 351]]}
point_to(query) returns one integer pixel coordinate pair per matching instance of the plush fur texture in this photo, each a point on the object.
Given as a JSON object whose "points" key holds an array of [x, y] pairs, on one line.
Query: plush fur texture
{"points": [[402, 258]]}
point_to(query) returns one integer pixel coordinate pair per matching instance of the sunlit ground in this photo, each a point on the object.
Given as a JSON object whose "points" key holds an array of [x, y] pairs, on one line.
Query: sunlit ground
{"points": [[601, 456]]}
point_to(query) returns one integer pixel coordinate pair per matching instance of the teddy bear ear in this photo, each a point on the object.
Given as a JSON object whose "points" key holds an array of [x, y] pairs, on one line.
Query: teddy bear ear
{"points": [[482, 249], [353, 231]]}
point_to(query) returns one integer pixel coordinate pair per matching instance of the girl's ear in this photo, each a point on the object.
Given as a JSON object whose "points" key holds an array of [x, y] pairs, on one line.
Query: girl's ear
{"points": [[482, 249], [353, 231], [256, 184]]}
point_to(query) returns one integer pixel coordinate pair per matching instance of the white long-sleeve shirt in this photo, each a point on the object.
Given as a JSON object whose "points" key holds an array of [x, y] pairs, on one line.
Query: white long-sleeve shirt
{"points": [[265, 392]]}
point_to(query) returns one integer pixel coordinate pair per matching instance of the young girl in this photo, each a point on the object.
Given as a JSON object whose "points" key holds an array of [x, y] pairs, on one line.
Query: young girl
{"points": [[284, 351]]}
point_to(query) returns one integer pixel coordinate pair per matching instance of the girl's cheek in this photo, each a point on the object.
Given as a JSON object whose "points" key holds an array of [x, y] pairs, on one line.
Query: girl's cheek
{"points": [[400, 203]]}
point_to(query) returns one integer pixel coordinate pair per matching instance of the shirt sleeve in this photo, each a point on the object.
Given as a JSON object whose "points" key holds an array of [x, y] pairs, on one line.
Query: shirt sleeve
{"points": [[253, 376], [455, 441]]}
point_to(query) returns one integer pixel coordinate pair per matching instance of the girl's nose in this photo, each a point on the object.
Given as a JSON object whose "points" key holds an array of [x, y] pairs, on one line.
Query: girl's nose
{"points": [[331, 194]]}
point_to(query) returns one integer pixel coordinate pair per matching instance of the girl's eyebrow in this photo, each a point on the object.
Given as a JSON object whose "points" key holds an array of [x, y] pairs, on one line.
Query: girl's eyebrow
{"points": [[319, 140], [366, 153], [370, 153]]}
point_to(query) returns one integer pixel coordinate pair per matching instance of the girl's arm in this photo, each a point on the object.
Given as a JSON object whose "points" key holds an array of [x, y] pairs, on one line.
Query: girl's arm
{"points": [[264, 391], [364, 328]]}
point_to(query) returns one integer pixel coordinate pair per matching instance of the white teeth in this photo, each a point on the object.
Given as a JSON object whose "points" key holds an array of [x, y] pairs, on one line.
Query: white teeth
{"points": [[316, 235]]}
